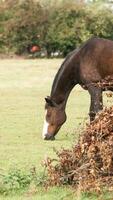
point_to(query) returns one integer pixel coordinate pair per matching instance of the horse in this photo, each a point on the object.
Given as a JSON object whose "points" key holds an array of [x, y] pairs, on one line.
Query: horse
{"points": [[86, 66]]}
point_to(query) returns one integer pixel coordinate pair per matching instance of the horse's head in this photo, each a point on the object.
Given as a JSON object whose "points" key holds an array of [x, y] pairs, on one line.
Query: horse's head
{"points": [[54, 118]]}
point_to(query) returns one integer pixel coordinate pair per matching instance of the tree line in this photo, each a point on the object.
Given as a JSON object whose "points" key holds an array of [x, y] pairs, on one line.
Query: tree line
{"points": [[59, 27]]}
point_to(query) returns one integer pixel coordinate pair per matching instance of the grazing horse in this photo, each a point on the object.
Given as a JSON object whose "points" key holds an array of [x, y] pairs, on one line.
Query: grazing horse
{"points": [[86, 66]]}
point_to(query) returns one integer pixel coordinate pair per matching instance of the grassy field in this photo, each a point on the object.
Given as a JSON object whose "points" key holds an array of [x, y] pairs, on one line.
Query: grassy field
{"points": [[23, 86]]}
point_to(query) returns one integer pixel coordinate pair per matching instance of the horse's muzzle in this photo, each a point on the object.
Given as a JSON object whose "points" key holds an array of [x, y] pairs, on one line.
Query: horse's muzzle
{"points": [[49, 137]]}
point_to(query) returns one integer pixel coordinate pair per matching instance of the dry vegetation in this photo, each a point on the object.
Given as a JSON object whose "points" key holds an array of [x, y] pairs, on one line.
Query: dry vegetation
{"points": [[89, 164]]}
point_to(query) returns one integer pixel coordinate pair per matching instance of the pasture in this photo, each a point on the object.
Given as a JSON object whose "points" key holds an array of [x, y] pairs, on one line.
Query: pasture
{"points": [[23, 86]]}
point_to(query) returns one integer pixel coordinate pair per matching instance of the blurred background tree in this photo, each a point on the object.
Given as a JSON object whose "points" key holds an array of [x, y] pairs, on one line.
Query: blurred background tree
{"points": [[55, 26]]}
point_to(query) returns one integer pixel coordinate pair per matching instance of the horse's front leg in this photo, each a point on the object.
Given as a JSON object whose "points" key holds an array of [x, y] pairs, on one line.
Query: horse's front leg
{"points": [[96, 101]]}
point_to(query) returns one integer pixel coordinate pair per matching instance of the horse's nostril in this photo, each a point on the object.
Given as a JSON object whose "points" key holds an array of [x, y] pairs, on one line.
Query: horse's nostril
{"points": [[49, 137], [52, 138]]}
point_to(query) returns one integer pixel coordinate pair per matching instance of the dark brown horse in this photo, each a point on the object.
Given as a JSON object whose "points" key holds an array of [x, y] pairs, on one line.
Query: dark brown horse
{"points": [[85, 66]]}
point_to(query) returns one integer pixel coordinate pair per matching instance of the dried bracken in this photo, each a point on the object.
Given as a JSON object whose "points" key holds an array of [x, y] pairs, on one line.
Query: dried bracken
{"points": [[106, 83], [89, 164]]}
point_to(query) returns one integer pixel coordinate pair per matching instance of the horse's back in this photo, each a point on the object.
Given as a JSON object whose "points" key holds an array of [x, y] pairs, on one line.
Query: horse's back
{"points": [[96, 59]]}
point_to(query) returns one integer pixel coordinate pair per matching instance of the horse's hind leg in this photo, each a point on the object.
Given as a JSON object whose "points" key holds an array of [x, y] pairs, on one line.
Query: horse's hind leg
{"points": [[96, 101]]}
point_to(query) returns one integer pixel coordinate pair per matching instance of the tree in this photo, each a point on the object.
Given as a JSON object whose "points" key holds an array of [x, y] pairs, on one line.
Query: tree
{"points": [[23, 29], [59, 27], [67, 29]]}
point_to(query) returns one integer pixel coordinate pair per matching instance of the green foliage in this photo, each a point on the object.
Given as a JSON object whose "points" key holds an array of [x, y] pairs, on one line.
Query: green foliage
{"points": [[17, 180], [67, 29], [100, 22], [22, 30], [54, 27]]}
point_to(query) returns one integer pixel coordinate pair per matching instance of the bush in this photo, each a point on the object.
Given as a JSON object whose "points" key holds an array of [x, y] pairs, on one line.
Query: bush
{"points": [[22, 30], [55, 28], [18, 180]]}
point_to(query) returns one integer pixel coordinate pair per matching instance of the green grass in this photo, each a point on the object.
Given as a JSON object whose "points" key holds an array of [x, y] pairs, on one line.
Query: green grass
{"points": [[23, 86]]}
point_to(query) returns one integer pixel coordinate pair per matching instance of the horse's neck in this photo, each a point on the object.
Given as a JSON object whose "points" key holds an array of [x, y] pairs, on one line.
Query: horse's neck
{"points": [[63, 83]]}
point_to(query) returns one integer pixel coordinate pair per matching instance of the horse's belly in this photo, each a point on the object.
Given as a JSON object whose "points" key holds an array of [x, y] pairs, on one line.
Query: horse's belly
{"points": [[105, 64], [106, 71]]}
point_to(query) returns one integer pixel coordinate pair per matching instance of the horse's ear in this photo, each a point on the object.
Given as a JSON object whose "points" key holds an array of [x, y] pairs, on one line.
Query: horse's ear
{"points": [[49, 101]]}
